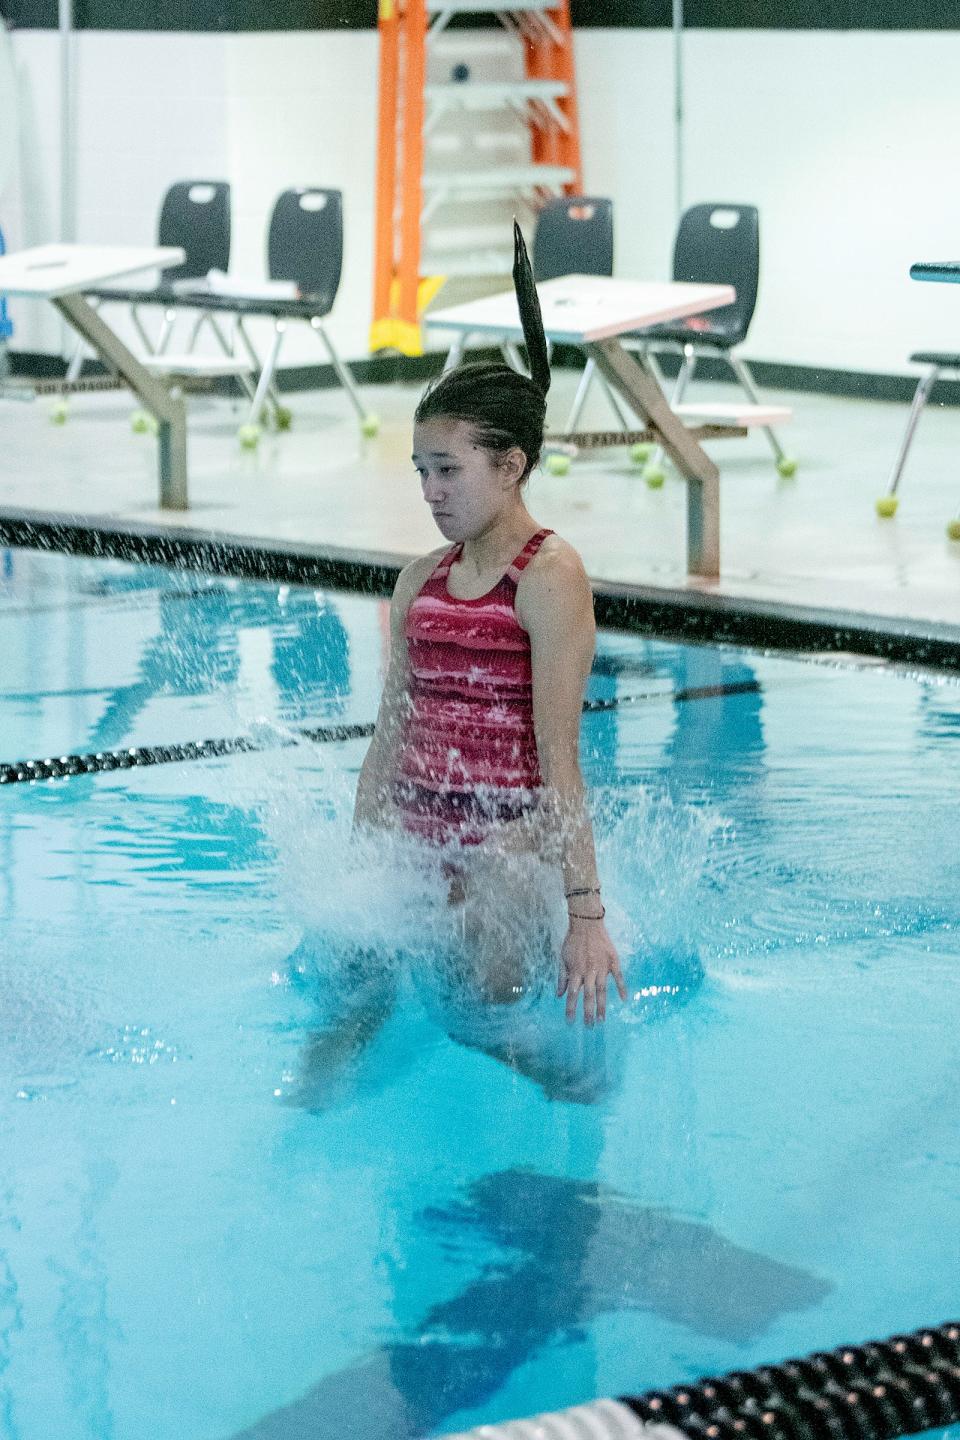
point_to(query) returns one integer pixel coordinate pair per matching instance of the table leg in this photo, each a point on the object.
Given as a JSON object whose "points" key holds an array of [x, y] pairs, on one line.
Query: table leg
{"points": [[169, 409], [632, 377]]}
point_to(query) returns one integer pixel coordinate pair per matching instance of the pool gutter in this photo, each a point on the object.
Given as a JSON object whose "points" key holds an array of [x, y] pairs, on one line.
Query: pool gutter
{"points": [[661, 610]]}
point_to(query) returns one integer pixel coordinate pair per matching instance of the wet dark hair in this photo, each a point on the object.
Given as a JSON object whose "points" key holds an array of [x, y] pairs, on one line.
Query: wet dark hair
{"points": [[505, 409]]}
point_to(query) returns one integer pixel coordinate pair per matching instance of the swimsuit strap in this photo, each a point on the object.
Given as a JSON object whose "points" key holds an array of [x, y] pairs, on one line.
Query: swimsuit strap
{"points": [[442, 568], [526, 554]]}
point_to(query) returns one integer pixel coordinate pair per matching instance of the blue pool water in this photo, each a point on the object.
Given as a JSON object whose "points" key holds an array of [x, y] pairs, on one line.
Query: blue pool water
{"points": [[220, 1217]]}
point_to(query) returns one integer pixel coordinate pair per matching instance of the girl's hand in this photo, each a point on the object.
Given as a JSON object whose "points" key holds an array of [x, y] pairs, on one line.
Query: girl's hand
{"points": [[587, 958]]}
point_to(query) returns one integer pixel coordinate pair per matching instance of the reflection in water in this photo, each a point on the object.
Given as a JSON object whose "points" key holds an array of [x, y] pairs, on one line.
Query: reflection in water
{"points": [[197, 651], [567, 1251], [11, 1322], [83, 1327], [717, 745]]}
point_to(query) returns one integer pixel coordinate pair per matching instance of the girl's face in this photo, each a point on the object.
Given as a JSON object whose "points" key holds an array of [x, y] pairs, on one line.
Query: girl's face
{"points": [[467, 487]]}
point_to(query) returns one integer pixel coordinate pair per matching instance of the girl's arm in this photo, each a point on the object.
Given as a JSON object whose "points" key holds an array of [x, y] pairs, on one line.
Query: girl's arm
{"points": [[374, 803], [555, 606]]}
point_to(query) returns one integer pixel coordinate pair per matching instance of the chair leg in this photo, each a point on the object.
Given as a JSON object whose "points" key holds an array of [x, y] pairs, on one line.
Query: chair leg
{"points": [[140, 328], [166, 330], [229, 350], [887, 504], [76, 363], [249, 433], [511, 354], [368, 422], [785, 465], [455, 353], [579, 400]]}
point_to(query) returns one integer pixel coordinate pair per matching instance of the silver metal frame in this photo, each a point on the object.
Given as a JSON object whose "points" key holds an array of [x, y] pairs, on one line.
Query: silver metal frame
{"points": [[920, 397]]}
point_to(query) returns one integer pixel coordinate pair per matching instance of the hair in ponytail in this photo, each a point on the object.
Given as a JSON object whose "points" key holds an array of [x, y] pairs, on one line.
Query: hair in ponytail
{"points": [[506, 410]]}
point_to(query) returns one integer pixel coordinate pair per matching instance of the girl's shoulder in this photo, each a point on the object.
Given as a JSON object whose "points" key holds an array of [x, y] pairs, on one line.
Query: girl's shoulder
{"points": [[555, 557], [554, 583], [414, 576]]}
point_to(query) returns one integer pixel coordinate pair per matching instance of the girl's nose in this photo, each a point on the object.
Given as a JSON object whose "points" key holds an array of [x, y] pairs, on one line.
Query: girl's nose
{"points": [[432, 490]]}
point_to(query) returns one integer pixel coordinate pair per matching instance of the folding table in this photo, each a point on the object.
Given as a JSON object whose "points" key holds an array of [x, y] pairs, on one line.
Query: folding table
{"points": [[60, 274], [592, 311]]}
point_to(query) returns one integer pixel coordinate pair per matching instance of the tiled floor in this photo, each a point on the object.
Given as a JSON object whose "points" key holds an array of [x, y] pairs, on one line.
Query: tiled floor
{"points": [[813, 541]]}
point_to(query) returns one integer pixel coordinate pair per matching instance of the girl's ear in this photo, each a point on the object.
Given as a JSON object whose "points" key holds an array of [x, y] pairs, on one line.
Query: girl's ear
{"points": [[513, 465]]}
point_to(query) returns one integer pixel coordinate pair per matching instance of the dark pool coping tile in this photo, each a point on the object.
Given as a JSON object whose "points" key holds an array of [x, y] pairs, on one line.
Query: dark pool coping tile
{"points": [[689, 615]]}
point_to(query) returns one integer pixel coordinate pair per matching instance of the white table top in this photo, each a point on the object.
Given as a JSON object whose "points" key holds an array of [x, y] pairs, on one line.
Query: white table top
{"points": [[49, 270], [580, 308]]}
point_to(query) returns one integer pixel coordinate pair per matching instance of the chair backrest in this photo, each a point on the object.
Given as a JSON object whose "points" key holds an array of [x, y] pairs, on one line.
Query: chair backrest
{"points": [[719, 244], [305, 243], [574, 236], [195, 214]]}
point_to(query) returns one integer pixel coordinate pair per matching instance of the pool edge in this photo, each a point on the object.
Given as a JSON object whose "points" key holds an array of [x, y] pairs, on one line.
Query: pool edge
{"points": [[690, 615]]}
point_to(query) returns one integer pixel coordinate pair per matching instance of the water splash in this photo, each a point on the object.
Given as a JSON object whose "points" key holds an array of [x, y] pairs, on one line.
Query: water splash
{"points": [[378, 903]]}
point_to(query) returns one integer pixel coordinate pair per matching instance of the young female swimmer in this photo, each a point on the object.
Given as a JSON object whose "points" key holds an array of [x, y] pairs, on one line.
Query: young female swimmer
{"points": [[492, 638]]}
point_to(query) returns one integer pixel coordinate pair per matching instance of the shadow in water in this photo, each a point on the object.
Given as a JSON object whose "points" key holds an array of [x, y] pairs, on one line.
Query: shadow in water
{"points": [[575, 1250]]}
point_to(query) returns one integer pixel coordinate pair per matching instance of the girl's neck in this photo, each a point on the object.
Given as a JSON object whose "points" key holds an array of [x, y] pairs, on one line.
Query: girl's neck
{"points": [[497, 546]]}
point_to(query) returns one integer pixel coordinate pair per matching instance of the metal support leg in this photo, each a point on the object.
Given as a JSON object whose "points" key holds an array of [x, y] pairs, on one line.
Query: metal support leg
{"points": [[634, 380], [583, 389], [166, 405], [739, 369], [920, 398], [76, 363], [456, 351], [267, 373], [137, 323], [195, 329], [247, 385], [343, 374], [579, 400], [166, 330]]}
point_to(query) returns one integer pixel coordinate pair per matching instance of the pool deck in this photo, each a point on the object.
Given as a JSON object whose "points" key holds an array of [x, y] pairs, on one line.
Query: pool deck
{"points": [[808, 550]]}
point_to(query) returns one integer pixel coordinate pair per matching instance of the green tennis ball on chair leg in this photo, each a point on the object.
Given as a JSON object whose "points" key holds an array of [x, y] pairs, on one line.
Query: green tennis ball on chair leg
{"points": [[59, 412], [558, 464], [641, 452], [249, 436], [370, 426], [654, 477], [787, 467], [953, 529], [887, 506]]}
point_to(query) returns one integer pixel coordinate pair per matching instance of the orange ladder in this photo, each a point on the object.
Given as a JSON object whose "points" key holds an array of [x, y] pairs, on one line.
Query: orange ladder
{"points": [[407, 196]]}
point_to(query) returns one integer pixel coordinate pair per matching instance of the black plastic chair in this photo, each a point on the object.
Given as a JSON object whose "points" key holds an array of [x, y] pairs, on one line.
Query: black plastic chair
{"points": [[305, 251], [716, 244], [305, 244], [195, 215], [573, 235]]}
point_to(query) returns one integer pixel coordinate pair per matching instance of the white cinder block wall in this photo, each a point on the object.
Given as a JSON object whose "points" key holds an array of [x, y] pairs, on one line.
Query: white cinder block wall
{"points": [[843, 139]]}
